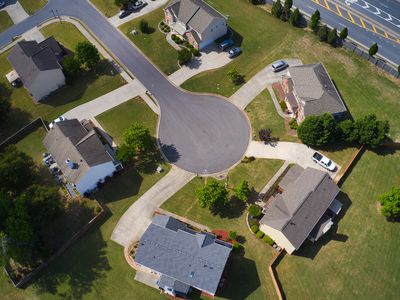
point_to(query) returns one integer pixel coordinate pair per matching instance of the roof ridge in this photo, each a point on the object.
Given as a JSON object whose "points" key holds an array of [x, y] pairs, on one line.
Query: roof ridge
{"points": [[86, 137]]}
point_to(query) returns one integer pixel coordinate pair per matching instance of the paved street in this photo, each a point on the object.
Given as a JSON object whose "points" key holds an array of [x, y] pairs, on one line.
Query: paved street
{"points": [[202, 134]]}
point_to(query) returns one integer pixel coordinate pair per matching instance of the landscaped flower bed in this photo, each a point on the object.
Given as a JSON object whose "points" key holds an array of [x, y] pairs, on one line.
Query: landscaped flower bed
{"points": [[164, 27]]}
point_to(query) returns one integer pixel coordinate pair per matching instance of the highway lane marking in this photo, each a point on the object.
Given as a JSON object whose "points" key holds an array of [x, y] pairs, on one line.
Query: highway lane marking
{"points": [[327, 5], [351, 17], [362, 23], [339, 11], [373, 28]]}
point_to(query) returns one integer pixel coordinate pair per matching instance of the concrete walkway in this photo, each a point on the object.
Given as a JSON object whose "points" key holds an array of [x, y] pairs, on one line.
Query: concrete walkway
{"points": [[16, 12], [290, 152], [138, 217], [259, 82], [33, 35], [151, 5]]}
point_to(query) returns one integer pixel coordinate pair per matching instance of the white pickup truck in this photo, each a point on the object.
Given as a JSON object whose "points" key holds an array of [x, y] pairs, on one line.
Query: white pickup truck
{"points": [[324, 161]]}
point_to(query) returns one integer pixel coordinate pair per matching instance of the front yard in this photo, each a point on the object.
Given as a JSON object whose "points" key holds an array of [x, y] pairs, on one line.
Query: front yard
{"points": [[31, 6], [154, 45], [107, 7], [87, 86], [5, 21]]}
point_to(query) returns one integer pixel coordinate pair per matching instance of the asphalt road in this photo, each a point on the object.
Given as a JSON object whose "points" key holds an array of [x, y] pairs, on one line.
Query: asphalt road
{"points": [[203, 134], [387, 48]]}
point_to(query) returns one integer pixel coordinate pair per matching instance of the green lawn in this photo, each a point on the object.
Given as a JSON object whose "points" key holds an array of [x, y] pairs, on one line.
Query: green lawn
{"points": [[264, 39], [359, 258], [5, 21], [32, 144], [31, 6], [107, 7], [117, 119], [247, 276], [153, 45], [87, 86]]}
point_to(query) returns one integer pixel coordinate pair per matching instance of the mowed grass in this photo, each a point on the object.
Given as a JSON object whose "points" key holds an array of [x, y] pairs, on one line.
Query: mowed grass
{"points": [[107, 7], [31, 6], [32, 144], [116, 120], [154, 45], [364, 88], [87, 86], [358, 258], [5, 21], [247, 276]]}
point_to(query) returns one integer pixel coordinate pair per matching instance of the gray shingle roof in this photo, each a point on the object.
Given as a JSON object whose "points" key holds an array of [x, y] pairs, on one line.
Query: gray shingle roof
{"points": [[313, 85], [180, 287], [29, 58], [297, 210], [196, 14], [70, 140], [193, 258]]}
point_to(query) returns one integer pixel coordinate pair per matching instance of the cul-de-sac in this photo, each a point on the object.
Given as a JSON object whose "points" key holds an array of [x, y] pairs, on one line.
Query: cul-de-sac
{"points": [[199, 149]]}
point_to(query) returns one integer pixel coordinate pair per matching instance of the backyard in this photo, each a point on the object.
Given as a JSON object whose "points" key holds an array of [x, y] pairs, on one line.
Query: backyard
{"points": [[31, 6], [5, 21], [89, 85], [154, 45]]}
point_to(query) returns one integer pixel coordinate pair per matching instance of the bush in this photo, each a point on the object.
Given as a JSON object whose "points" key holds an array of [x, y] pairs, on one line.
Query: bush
{"points": [[343, 34], [373, 50], [314, 24], [277, 9], [235, 77], [332, 37], [254, 228], [268, 240], [323, 33], [184, 56], [295, 17], [232, 235], [255, 211], [260, 234], [390, 204], [144, 26], [283, 105], [97, 210], [293, 124], [195, 51], [173, 37]]}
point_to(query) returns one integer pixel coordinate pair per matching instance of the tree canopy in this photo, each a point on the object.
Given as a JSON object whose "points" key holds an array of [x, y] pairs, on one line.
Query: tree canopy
{"points": [[212, 195], [318, 130], [372, 132], [87, 54], [242, 191], [390, 204], [71, 67], [5, 107]]}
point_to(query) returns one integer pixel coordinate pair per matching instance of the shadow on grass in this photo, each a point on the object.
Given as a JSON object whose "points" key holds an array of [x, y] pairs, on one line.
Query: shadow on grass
{"points": [[149, 161], [234, 209], [71, 276], [309, 249]]}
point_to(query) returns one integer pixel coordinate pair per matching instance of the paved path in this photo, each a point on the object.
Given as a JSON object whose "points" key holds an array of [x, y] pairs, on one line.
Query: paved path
{"points": [[33, 35], [291, 152], [16, 11], [259, 82], [138, 217], [151, 5]]}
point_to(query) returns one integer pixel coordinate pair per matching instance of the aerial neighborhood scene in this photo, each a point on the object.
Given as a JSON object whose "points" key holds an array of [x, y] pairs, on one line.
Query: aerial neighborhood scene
{"points": [[197, 149]]}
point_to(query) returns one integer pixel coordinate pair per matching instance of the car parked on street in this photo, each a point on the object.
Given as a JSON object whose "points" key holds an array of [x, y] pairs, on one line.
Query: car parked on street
{"points": [[234, 51], [226, 44], [279, 65], [324, 161]]}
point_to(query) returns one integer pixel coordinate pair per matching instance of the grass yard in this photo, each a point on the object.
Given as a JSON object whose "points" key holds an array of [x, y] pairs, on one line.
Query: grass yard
{"points": [[31, 6], [358, 259], [32, 144], [364, 88], [248, 276], [107, 7], [117, 119], [87, 86], [153, 45], [5, 21]]}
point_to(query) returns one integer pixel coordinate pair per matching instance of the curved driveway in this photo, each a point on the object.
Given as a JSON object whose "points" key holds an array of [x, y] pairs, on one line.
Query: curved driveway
{"points": [[202, 134]]}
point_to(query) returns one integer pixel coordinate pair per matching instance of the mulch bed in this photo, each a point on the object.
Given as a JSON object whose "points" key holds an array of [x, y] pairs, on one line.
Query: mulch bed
{"points": [[279, 90]]}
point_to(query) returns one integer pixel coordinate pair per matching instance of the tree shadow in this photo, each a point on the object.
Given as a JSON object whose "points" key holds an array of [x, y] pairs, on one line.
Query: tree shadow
{"points": [[77, 269], [149, 161], [386, 150], [234, 209], [170, 152], [309, 249]]}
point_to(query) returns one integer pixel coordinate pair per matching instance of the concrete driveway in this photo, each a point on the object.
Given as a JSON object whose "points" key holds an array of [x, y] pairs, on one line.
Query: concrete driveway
{"points": [[16, 11], [291, 152]]}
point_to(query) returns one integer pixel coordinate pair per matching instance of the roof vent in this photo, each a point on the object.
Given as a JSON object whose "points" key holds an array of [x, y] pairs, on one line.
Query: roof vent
{"points": [[191, 274]]}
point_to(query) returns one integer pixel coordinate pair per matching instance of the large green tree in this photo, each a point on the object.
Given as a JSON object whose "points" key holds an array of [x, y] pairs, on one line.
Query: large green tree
{"points": [[138, 137], [71, 67], [390, 204], [242, 191], [318, 130], [372, 132], [87, 54], [349, 131], [212, 195]]}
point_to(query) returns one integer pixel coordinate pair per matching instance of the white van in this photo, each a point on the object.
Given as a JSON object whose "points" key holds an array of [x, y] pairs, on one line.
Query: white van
{"points": [[279, 65]]}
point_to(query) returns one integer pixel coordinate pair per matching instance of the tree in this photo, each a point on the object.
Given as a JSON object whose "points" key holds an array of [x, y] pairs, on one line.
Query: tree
{"points": [[184, 55], [265, 135], [87, 54], [232, 235], [5, 107], [390, 204], [138, 138], [125, 153], [242, 191], [295, 17], [332, 37], [343, 34], [323, 33], [235, 77], [349, 131], [17, 170], [372, 132], [212, 195], [314, 24], [255, 211], [288, 5], [144, 26], [373, 49], [71, 67], [318, 130], [277, 9]]}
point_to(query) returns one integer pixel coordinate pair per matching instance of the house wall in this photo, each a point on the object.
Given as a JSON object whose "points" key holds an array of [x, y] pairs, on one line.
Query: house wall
{"points": [[168, 17], [47, 82], [278, 237], [93, 175], [191, 40], [215, 30]]}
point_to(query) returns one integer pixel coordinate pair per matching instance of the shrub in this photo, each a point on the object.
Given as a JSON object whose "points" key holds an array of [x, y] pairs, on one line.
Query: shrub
{"points": [[332, 37], [232, 235], [184, 56], [97, 210], [277, 9], [323, 33], [390, 204], [254, 228], [173, 37], [235, 246], [343, 34], [314, 24], [283, 105], [144, 26], [268, 240], [293, 124], [373, 50], [195, 51], [260, 234], [235, 77], [255, 211], [295, 17]]}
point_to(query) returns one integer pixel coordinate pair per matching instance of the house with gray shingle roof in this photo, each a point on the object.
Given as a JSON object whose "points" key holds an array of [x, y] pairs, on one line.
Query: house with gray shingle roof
{"points": [[310, 91], [195, 21], [38, 66], [305, 208], [80, 154], [182, 258]]}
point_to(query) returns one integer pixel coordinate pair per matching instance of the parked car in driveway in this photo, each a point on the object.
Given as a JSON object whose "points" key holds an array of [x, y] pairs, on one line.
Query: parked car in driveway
{"points": [[137, 5], [59, 119], [124, 13], [226, 44], [2, 4], [323, 161], [233, 52], [279, 65]]}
